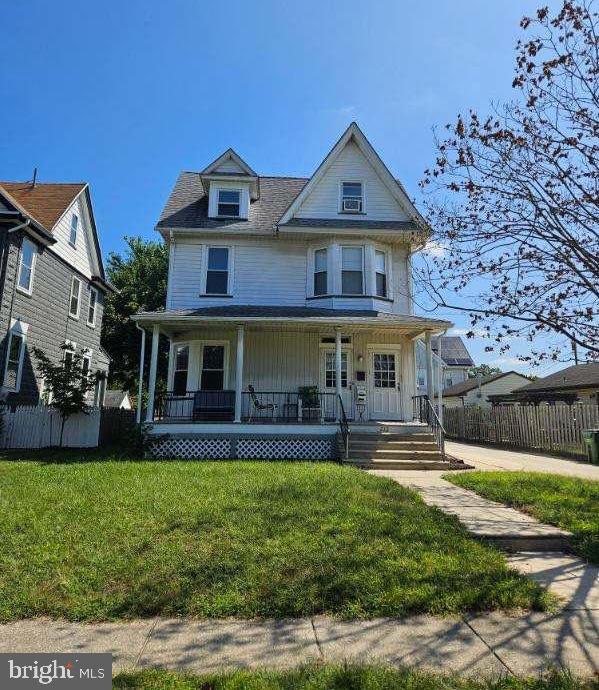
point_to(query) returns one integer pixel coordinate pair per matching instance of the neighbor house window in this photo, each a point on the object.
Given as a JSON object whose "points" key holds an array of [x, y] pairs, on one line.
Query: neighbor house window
{"points": [[380, 268], [74, 302], [352, 270], [228, 203], [217, 274], [68, 358], [91, 311], [352, 199], [26, 266], [320, 272], [14, 361], [74, 229], [330, 370], [180, 370]]}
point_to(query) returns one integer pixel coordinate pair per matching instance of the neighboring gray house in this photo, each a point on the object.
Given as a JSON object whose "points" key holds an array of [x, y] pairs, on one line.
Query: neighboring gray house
{"points": [[456, 361], [52, 284]]}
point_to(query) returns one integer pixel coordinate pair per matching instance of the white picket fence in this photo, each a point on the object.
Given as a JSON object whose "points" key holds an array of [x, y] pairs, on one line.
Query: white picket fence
{"points": [[39, 427]]}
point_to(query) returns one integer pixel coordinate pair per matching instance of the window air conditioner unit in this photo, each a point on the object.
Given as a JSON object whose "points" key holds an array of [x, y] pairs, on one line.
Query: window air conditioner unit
{"points": [[352, 205]]}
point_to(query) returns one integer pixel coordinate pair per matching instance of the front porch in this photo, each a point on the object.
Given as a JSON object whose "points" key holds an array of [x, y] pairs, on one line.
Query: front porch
{"points": [[282, 378]]}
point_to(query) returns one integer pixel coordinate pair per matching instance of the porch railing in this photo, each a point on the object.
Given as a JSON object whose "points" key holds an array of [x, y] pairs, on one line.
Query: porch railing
{"points": [[425, 412], [274, 407], [343, 427]]}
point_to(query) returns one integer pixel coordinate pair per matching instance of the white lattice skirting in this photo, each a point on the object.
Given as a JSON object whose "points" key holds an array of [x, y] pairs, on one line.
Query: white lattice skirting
{"points": [[285, 448], [199, 448]]}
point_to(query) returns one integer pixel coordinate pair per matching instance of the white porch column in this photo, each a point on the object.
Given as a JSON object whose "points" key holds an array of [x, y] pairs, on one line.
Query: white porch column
{"points": [[140, 385], [239, 373], [441, 379], [153, 368], [429, 366], [337, 367]]}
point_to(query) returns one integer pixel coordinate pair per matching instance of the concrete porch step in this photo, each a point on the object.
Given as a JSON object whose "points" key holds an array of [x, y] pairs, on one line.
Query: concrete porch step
{"points": [[393, 445], [390, 454], [382, 464]]}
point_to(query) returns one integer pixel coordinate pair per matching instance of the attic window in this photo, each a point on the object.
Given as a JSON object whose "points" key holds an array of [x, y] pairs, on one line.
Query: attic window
{"points": [[352, 198], [74, 229], [228, 203]]}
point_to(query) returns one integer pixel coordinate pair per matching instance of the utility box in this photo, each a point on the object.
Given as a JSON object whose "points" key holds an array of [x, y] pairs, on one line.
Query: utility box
{"points": [[591, 440]]}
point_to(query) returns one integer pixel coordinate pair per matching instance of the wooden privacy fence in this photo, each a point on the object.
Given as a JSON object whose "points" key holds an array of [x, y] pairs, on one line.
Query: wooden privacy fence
{"points": [[116, 426], [39, 427], [553, 428]]}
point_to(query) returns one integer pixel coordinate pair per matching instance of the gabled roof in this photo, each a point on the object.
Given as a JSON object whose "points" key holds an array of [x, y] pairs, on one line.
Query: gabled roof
{"points": [[468, 385], [453, 351], [577, 376], [355, 134], [45, 202], [229, 154]]}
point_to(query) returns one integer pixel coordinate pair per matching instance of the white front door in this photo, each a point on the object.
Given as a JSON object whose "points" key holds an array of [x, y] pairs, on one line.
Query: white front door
{"points": [[383, 377], [328, 379]]}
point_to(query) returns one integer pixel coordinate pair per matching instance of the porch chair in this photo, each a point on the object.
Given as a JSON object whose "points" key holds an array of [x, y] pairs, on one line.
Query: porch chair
{"points": [[259, 406]]}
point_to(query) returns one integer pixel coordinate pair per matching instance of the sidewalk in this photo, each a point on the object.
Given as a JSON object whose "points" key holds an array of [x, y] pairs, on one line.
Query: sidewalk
{"points": [[493, 644]]}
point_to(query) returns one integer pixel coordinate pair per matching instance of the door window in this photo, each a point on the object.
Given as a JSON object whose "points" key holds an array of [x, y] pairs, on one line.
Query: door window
{"points": [[384, 370], [213, 368]]}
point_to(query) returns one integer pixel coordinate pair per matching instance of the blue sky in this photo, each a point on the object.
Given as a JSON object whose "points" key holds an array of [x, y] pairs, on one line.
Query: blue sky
{"points": [[126, 94]]}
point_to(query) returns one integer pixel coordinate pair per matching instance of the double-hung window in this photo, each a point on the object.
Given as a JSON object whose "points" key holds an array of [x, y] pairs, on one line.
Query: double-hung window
{"points": [[180, 369], [352, 270], [91, 311], [75, 299], [352, 197], [217, 273], [14, 361], [380, 267], [86, 364], [320, 272], [229, 202], [26, 266], [69, 355], [74, 229], [330, 370]]}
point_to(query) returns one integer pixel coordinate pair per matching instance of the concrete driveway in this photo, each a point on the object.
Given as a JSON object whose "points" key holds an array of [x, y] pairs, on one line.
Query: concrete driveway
{"points": [[488, 458]]}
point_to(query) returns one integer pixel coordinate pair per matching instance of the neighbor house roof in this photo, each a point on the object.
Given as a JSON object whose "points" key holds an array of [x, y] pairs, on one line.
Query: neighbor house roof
{"points": [[453, 351], [45, 202], [576, 376], [187, 206], [468, 385]]}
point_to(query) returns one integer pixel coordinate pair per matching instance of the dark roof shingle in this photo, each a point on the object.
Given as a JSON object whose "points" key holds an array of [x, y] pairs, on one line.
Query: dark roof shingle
{"points": [[577, 376], [187, 206]]}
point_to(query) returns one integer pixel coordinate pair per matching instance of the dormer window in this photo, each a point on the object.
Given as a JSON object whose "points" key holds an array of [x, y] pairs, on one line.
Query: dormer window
{"points": [[352, 197], [229, 202]]}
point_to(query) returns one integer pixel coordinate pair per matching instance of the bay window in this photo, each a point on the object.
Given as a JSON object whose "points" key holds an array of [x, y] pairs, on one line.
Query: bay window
{"points": [[352, 270]]}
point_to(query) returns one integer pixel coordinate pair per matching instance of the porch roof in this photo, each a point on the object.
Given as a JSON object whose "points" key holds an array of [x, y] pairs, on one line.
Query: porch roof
{"points": [[305, 317]]}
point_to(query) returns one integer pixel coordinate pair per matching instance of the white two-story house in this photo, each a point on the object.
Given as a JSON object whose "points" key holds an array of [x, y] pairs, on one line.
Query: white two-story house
{"points": [[289, 304]]}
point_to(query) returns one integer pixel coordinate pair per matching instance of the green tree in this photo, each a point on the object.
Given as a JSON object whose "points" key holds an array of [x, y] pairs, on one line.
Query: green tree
{"points": [[482, 370], [139, 275], [69, 382]]}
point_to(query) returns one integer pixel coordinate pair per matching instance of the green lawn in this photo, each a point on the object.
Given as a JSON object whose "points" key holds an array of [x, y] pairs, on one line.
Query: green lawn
{"points": [[568, 502], [340, 678], [119, 539]]}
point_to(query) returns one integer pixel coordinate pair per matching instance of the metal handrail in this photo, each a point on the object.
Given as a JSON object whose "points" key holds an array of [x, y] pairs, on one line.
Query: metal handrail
{"points": [[344, 427], [428, 414]]}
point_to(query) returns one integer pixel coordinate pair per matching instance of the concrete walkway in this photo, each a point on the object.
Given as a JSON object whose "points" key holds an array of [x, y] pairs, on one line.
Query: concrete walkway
{"points": [[485, 644], [489, 458]]}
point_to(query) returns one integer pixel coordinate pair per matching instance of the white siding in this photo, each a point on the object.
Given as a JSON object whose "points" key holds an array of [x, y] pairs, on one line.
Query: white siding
{"points": [[351, 165], [506, 384], [80, 256], [268, 272], [229, 166], [284, 360]]}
